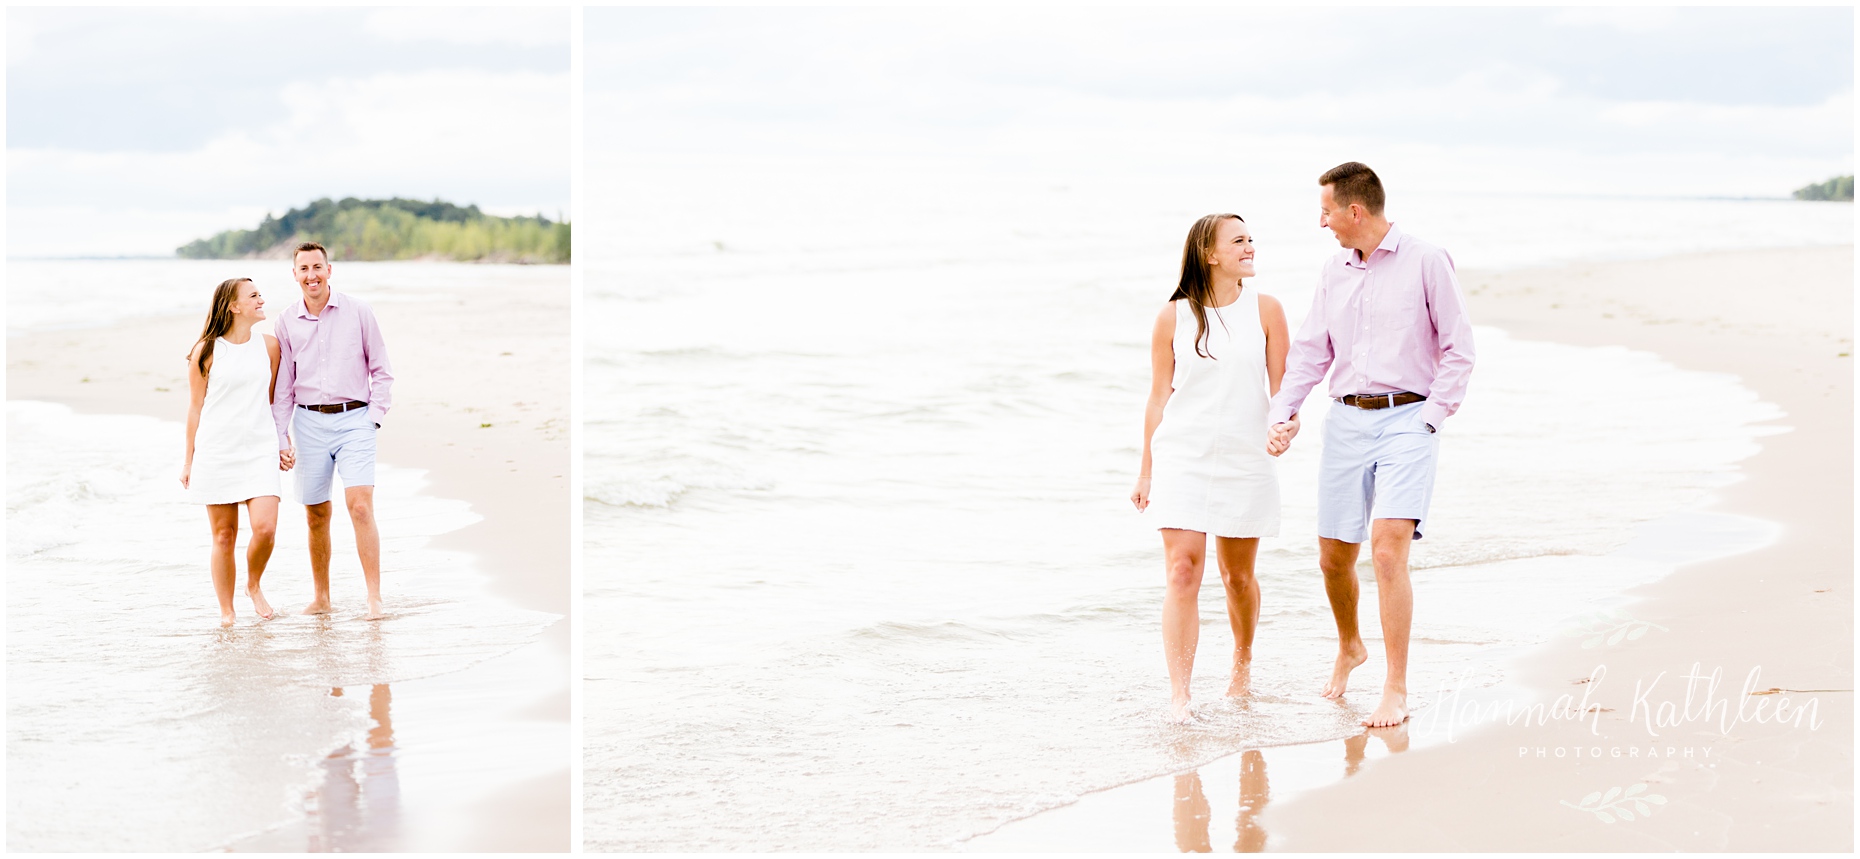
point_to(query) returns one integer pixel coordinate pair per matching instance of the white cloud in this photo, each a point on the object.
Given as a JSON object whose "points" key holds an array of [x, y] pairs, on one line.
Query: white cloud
{"points": [[22, 38], [527, 27], [1632, 19]]}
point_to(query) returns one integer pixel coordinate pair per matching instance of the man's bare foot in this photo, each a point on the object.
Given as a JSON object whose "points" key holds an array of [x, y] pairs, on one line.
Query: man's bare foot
{"points": [[1242, 684], [258, 602], [1392, 711], [1178, 710], [1348, 657], [318, 607], [374, 609], [226, 618]]}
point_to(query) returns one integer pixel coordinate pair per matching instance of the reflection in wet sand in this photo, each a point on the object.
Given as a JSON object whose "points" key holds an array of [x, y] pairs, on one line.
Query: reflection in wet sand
{"points": [[1191, 814], [357, 806], [1191, 803], [1255, 792]]}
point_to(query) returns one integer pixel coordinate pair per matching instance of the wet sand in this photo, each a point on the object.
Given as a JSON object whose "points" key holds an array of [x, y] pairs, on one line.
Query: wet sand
{"points": [[481, 402], [1728, 775]]}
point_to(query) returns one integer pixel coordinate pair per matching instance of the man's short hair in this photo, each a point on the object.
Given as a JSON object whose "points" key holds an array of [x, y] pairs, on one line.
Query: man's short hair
{"points": [[1353, 182], [313, 246]]}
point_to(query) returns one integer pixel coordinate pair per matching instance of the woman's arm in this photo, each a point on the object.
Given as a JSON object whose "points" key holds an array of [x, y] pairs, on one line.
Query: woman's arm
{"points": [[286, 458], [1162, 384], [1278, 345], [1278, 340], [196, 397], [271, 348]]}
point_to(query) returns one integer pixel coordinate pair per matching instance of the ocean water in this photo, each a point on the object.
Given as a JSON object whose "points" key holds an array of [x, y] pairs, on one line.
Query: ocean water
{"points": [[134, 722], [85, 293], [860, 567]]}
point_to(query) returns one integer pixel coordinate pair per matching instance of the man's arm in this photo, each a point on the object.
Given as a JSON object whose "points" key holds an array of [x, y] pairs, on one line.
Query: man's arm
{"points": [[1446, 307], [284, 385], [380, 377], [1310, 358]]}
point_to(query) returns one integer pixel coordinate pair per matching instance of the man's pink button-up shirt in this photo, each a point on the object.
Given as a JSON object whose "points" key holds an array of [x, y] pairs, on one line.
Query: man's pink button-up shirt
{"points": [[1394, 322], [334, 357]]}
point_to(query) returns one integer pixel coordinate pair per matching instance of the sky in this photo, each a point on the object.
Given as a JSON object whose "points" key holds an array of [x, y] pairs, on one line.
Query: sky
{"points": [[1637, 102], [132, 131]]}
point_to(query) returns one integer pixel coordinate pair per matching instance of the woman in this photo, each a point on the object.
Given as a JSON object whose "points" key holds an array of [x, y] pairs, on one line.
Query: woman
{"points": [[1217, 351], [230, 375]]}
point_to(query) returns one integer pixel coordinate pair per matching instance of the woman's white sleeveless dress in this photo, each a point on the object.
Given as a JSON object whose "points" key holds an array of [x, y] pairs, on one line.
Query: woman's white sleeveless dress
{"points": [[1209, 469], [236, 443]]}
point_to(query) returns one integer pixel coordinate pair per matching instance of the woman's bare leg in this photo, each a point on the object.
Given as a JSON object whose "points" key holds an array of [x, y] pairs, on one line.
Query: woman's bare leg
{"points": [[1236, 556], [263, 513], [1184, 553], [223, 519]]}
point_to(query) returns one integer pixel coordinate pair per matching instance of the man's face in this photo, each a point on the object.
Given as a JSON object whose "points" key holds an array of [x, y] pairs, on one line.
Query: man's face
{"points": [[1344, 222], [311, 270]]}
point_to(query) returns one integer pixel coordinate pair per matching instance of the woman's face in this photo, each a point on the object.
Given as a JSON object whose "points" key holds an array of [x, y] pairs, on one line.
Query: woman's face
{"points": [[249, 303], [1232, 254]]}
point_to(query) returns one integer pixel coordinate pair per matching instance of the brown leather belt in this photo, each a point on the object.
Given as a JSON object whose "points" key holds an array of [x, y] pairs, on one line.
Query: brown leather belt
{"points": [[1380, 401], [335, 408]]}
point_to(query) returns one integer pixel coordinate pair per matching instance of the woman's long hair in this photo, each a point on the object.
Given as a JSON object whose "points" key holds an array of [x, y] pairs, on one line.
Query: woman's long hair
{"points": [[219, 319], [1197, 284]]}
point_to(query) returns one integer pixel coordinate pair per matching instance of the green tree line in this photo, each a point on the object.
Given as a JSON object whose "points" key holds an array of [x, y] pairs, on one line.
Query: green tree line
{"points": [[1837, 188], [393, 229]]}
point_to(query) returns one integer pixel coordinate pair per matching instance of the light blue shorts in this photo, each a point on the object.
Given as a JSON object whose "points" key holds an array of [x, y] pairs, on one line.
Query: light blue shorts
{"points": [[1377, 464], [328, 443]]}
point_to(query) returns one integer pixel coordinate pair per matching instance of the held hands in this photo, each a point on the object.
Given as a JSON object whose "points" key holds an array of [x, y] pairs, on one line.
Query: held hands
{"points": [[1279, 436], [286, 459], [1141, 495]]}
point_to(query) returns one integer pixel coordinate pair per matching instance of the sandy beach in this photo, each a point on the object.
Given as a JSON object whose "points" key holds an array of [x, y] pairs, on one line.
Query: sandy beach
{"points": [[1760, 761], [481, 403]]}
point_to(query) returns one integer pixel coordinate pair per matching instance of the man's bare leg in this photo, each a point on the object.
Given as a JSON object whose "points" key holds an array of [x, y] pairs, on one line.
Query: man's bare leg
{"points": [[263, 511], [223, 520], [1183, 552], [1236, 555], [1337, 560], [361, 501], [319, 516], [1389, 541]]}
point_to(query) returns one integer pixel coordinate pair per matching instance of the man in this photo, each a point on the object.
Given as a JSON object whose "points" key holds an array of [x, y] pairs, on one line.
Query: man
{"points": [[332, 385], [1389, 323]]}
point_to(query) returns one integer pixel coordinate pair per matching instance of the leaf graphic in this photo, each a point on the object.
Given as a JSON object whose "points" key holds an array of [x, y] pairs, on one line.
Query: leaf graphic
{"points": [[1611, 806], [1592, 643], [1637, 633], [1616, 638]]}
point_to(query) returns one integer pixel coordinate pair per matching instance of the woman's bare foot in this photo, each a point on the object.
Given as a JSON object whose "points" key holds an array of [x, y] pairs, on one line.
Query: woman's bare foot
{"points": [[1392, 711], [319, 607], [374, 610], [1348, 657], [226, 618], [258, 602], [1178, 710], [1242, 684]]}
